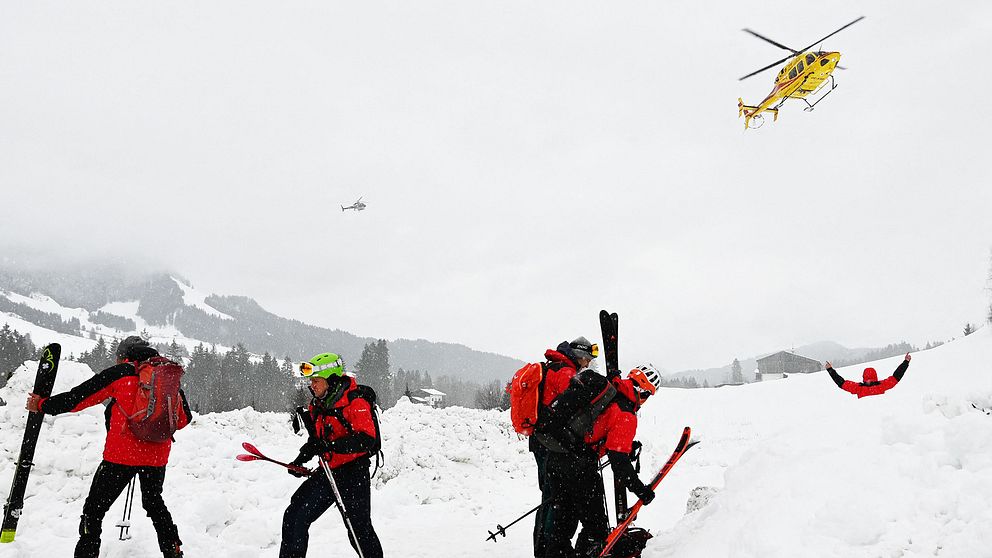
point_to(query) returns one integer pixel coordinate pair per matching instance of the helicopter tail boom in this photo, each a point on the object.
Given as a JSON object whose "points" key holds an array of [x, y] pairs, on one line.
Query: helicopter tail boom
{"points": [[749, 112]]}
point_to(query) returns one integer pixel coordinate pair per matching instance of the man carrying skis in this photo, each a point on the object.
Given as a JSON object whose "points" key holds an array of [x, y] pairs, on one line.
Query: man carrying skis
{"points": [[870, 384], [562, 364], [574, 478], [342, 434], [124, 454]]}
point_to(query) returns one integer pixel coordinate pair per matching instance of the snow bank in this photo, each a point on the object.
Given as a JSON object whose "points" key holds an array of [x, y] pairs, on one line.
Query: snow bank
{"points": [[449, 475], [797, 468], [806, 467]]}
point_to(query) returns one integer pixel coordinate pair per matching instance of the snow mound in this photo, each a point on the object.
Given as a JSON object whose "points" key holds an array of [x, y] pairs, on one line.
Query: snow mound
{"points": [[803, 465], [446, 471]]}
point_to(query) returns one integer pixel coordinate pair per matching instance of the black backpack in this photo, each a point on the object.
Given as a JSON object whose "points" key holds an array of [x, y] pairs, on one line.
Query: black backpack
{"points": [[563, 424]]}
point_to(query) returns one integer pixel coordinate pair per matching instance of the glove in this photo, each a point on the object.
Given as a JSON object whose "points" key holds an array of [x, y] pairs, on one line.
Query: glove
{"points": [[644, 494], [635, 447], [299, 461]]}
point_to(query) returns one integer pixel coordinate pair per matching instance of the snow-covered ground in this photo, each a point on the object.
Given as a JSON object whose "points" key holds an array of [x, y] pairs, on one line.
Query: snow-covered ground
{"points": [[800, 467]]}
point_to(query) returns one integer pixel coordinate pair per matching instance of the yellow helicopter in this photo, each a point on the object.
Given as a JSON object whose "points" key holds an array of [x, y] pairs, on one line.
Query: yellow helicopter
{"points": [[805, 73]]}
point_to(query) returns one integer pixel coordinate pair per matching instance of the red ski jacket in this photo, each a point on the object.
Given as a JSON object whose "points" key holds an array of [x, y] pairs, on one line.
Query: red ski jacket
{"points": [[119, 382], [870, 385], [615, 428], [346, 444], [561, 369]]}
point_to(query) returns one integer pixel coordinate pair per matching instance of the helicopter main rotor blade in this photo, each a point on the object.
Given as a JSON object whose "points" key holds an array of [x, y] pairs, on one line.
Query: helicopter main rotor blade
{"points": [[772, 65], [766, 39], [804, 49], [832, 34]]}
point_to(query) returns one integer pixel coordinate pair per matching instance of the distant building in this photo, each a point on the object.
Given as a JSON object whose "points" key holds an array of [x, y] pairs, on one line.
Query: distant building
{"points": [[783, 363], [428, 396]]}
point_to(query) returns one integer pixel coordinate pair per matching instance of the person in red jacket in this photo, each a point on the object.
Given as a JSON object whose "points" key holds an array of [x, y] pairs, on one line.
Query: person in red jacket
{"points": [[124, 455], [563, 363], [575, 481], [870, 384], [343, 434]]}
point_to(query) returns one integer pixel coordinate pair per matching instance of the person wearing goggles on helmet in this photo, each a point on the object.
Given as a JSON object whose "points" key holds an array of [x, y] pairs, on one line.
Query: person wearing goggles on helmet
{"points": [[562, 364], [342, 433]]}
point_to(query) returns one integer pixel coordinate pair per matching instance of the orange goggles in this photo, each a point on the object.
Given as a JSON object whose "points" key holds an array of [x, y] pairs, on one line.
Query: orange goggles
{"points": [[306, 369]]}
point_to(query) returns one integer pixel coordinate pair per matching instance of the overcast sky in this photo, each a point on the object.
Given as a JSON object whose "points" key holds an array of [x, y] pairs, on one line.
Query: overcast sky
{"points": [[524, 163]]}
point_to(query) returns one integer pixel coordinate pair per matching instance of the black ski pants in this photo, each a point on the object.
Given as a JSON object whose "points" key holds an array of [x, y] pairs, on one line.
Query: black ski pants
{"points": [[315, 496], [577, 497], [108, 483], [541, 457]]}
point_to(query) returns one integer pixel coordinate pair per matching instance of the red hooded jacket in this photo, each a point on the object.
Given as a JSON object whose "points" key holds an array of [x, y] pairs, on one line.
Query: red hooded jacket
{"points": [[119, 382], [615, 428], [561, 369], [870, 385]]}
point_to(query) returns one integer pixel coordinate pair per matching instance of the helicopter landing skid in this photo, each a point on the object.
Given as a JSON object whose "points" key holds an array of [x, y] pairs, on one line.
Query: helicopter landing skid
{"points": [[809, 107]]}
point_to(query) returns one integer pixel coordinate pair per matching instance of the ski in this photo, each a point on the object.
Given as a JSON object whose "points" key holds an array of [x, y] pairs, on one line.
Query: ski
{"points": [[608, 324], [43, 383], [683, 446], [255, 455]]}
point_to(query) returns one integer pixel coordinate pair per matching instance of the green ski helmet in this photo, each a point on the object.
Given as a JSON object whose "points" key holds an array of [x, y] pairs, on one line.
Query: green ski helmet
{"points": [[323, 365]]}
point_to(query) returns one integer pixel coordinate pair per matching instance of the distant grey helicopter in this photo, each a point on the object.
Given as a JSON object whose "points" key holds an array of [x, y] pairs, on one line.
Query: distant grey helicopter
{"points": [[357, 206]]}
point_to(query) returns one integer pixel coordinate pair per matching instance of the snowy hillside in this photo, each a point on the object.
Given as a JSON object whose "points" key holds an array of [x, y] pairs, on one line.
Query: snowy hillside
{"points": [[168, 308], [800, 468]]}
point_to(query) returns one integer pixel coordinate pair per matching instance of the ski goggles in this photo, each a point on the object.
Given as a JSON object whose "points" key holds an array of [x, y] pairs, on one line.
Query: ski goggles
{"points": [[308, 369], [591, 349]]}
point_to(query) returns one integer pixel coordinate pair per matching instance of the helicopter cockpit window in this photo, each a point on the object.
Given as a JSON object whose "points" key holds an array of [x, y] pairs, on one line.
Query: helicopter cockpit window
{"points": [[792, 73], [799, 68], [810, 58], [824, 61]]}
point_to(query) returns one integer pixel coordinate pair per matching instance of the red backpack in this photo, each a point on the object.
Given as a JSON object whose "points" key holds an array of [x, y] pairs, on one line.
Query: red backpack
{"points": [[525, 397], [156, 401]]}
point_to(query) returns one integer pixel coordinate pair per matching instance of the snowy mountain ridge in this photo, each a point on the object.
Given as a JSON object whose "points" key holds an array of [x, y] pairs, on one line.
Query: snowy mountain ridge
{"points": [[168, 307]]}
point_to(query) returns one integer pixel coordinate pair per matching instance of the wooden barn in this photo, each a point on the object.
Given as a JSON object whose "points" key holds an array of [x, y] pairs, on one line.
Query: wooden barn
{"points": [[783, 363]]}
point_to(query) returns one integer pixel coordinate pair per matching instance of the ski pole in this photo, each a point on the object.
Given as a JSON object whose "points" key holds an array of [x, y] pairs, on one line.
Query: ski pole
{"points": [[340, 501], [125, 523], [501, 530], [256, 455]]}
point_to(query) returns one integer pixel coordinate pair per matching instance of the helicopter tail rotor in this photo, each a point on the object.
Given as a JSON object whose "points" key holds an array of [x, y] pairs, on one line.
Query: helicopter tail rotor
{"points": [[753, 118]]}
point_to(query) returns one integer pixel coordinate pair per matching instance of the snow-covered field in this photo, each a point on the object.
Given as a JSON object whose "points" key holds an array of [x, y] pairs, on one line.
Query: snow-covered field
{"points": [[800, 467]]}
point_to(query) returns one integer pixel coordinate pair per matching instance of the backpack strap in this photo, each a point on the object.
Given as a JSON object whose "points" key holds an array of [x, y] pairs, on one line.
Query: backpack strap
{"points": [[338, 413]]}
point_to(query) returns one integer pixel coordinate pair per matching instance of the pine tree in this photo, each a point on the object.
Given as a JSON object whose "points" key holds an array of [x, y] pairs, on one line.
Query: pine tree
{"points": [[175, 351], [736, 374], [14, 350], [99, 357], [372, 369]]}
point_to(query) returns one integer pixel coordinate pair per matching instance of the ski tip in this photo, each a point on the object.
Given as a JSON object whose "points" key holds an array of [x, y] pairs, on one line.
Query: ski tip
{"points": [[7, 536]]}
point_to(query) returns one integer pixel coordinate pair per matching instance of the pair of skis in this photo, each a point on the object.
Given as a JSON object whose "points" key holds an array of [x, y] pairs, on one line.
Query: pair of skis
{"points": [[44, 381], [255, 455], [609, 325], [684, 445]]}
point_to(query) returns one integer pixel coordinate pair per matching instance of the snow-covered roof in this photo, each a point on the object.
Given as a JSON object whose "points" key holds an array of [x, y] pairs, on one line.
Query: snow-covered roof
{"points": [[430, 391]]}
